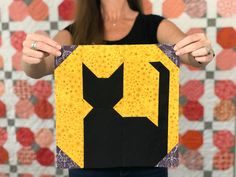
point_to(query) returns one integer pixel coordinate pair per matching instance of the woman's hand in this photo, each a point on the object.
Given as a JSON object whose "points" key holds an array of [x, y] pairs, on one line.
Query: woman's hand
{"points": [[198, 46], [111, 9], [38, 46]]}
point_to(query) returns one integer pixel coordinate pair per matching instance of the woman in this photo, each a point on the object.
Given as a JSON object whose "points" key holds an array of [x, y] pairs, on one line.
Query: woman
{"points": [[114, 22]]}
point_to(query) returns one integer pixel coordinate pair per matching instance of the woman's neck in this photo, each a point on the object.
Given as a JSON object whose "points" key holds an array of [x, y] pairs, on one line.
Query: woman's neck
{"points": [[125, 11]]}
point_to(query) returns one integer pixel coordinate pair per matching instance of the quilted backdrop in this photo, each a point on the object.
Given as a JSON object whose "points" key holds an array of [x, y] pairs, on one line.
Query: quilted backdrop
{"points": [[208, 96]]}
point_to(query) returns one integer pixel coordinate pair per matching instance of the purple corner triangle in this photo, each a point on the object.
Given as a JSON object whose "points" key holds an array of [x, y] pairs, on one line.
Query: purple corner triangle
{"points": [[170, 52], [171, 160], [65, 52], [63, 161]]}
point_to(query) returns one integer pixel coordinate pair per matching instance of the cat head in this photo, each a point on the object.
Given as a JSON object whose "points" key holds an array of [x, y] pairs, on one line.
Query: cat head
{"points": [[102, 92]]}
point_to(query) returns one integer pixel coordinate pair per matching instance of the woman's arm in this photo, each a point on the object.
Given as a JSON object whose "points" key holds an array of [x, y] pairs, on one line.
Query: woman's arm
{"points": [[192, 49], [39, 63]]}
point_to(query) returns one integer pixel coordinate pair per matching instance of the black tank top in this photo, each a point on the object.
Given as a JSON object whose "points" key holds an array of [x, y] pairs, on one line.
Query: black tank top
{"points": [[143, 31]]}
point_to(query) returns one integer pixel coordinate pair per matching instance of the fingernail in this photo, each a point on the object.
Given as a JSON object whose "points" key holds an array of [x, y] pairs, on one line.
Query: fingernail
{"points": [[177, 53], [58, 46], [175, 48], [58, 54]]}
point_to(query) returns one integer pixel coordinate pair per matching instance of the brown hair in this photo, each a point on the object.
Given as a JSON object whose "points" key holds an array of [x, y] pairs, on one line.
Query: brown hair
{"points": [[88, 27]]}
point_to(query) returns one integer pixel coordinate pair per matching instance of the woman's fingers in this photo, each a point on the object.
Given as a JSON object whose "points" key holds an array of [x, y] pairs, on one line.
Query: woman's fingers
{"points": [[33, 53], [203, 59], [31, 60], [188, 40], [43, 47], [200, 52], [190, 48], [47, 48], [44, 39]]}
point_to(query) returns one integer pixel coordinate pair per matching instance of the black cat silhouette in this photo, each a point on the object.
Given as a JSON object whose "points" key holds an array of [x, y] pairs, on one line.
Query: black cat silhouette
{"points": [[111, 140]]}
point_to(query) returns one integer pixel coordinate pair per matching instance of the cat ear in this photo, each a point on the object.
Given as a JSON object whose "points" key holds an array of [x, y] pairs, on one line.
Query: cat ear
{"points": [[118, 73], [87, 72]]}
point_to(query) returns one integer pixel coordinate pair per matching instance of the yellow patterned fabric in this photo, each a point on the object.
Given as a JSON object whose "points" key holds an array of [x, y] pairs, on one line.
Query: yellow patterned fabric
{"points": [[140, 91]]}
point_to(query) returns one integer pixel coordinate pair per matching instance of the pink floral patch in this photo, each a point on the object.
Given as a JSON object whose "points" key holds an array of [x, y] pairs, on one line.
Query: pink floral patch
{"points": [[225, 89], [173, 11], [1, 62], [26, 175], [18, 10], [38, 10], [24, 109], [225, 110], [223, 160], [226, 8], [196, 8], [22, 89], [16, 61], [2, 88], [193, 90], [26, 156], [3, 136], [193, 160], [224, 140], [225, 61], [44, 137], [3, 175]]}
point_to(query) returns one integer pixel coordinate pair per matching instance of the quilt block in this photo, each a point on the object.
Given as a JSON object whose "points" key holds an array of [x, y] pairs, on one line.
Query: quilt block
{"points": [[117, 106]]}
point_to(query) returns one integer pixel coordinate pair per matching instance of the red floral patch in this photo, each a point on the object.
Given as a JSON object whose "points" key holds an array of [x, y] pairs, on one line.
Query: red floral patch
{"points": [[42, 89], [25, 136], [192, 140], [2, 109], [226, 37], [44, 109], [4, 157], [67, 10], [193, 111], [17, 39], [45, 157]]}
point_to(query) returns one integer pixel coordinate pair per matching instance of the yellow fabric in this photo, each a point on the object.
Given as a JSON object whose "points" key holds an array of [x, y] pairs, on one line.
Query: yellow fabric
{"points": [[140, 90]]}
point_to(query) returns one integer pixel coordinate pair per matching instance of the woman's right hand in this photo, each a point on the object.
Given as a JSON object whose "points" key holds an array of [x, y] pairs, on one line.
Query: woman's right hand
{"points": [[45, 46]]}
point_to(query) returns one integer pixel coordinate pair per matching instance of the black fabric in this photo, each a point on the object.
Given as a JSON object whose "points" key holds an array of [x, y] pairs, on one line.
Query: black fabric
{"points": [[143, 31], [116, 141]]}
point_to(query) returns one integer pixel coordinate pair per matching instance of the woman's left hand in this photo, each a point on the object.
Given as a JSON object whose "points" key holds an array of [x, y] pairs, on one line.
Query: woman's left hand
{"points": [[197, 45]]}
